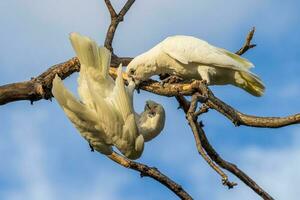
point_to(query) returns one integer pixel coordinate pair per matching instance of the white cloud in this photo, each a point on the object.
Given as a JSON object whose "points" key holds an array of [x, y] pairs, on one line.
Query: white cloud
{"points": [[275, 169], [27, 155]]}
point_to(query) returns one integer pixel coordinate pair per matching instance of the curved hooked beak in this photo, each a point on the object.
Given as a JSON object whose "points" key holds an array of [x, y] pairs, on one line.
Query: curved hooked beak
{"points": [[136, 82], [151, 110]]}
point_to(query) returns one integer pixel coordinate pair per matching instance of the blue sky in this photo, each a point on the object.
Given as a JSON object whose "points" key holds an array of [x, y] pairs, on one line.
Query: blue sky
{"points": [[43, 156]]}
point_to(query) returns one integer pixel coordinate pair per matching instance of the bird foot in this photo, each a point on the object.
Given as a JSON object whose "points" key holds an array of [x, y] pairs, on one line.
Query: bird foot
{"points": [[171, 79]]}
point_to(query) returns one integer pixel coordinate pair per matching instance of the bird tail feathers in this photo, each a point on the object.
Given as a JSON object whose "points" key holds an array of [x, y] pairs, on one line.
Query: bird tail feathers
{"points": [[251, 83], [89, 54], [242, 61]]}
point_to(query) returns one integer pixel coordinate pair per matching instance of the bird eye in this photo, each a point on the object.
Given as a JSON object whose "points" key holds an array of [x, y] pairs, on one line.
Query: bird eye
{"points": [[131, 71]]}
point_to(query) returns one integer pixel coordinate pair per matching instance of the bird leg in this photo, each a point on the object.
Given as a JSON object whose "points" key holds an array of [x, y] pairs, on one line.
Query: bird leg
{"points": [[171, 79], [163, 76]]}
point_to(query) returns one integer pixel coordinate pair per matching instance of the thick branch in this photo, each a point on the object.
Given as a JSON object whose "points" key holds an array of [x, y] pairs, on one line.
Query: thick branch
{"points": [[239, 118], [39, 87], [153, 173]]}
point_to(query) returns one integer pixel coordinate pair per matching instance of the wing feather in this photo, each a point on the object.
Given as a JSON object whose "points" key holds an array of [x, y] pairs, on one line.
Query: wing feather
{"points": [[84, 119], [95, 62], [122, 100], [107, 104], [187, 49]]}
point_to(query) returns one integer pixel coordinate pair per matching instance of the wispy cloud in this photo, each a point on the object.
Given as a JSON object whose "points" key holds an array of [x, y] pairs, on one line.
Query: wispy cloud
{"points": [[28, 174], [275, 169]]}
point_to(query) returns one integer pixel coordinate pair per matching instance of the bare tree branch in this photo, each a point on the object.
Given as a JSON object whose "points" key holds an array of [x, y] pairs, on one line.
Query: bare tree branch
{"points": [[191, 117], [239, 118], [39, 87], [151, 172], [200, 137], [247, 45], [230, 166], [111, 9], [115, 20]]}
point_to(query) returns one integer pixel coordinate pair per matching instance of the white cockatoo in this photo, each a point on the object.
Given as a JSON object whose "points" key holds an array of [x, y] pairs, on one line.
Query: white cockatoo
{"points": [[105, 115], [189, 58]]}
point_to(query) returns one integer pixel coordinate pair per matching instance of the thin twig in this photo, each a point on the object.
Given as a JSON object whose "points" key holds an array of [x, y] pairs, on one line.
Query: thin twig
{"points": [[203, 109], [247, 45], [111, 9], [115, 20], [190, 115], [153, 173], [199, 134], [230, 166]]}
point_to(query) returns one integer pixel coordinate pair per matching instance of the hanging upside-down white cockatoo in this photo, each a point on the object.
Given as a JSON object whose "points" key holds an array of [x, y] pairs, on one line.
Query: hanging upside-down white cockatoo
{"points": [[105, 115], [191, 58]]}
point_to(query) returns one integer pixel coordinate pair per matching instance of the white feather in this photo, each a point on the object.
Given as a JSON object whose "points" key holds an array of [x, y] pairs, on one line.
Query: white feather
{"points": [[84, 119], [106, 116], [188, 49], [192, 58]]}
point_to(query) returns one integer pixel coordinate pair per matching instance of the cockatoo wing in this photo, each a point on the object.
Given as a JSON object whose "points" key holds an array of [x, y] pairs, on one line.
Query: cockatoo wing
{"points": [[84, 119], [96, 86], [116, 115], [107, 115], [95, 62], [122, 99], [111, 101], [187, 49]]}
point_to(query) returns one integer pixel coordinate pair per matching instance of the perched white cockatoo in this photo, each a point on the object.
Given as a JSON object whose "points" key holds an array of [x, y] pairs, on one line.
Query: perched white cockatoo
{"points": [[191, 58], [105, 115]]}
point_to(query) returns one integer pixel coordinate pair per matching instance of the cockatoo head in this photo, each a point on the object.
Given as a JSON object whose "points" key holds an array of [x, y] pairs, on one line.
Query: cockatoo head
{"points": [[152, 120], [140, 69]]}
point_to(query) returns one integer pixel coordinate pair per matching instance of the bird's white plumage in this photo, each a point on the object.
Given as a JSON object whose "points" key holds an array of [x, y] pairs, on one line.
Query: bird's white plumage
{"points": [[191, 58], [188, 49], [84, 119], [106, 116]]}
